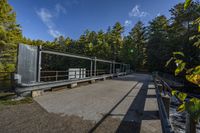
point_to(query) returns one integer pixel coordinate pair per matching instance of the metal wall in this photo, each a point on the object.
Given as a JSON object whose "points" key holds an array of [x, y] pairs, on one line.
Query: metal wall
{"points": [[27, 63]]}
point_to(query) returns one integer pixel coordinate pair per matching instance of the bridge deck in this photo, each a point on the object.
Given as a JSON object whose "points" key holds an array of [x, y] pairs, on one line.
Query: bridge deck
{"points": [[129, 102]]}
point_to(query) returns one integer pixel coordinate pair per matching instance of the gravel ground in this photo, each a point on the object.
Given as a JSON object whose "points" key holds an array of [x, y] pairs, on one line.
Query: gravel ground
{"points": [[31, 118]]}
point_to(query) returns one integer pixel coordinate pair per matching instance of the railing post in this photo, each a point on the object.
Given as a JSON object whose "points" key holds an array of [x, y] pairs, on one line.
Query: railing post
{"points": [[95, 66], [75, 74], [190, 124], [113, 67], [110, 68], [39, 63], [129, 68], [91, 65], [166, 102], [56, 75]]}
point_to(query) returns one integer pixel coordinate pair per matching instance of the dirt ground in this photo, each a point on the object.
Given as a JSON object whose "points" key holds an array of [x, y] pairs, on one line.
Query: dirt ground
{"points": [[31, 118]]}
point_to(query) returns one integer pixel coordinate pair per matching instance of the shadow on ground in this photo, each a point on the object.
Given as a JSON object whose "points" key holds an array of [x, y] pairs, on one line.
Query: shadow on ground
{"points": [[136, 113]]}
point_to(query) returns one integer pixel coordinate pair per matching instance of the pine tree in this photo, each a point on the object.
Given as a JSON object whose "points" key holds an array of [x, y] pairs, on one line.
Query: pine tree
{"points": [[137, 38], [10, 36], [158, 45], [116, 40]]}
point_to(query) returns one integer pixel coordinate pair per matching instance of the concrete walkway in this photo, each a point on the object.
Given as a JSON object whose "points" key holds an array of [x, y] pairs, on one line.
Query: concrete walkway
{"points": [[131, 99]]}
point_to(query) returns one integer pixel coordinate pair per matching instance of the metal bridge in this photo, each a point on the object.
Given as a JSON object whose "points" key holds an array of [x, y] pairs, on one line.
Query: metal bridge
{"points": [[35, 73], [132, 99]]}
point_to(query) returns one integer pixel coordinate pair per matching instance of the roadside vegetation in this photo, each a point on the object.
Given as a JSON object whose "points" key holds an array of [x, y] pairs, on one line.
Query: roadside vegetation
{"points": [[8, 98]]}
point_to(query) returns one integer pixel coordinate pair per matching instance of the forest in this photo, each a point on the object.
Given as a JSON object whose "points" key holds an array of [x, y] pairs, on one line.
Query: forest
{"points": [[146, 47]]}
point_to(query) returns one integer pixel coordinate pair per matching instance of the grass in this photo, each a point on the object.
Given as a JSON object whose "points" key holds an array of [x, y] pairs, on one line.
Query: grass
{"points": [[6, 99]]}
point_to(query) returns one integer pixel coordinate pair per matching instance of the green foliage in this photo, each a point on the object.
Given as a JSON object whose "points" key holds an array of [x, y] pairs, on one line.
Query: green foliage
{"points": [[26, 100], [181, 96], [158, 46], [134, 50], [173, 92], [192, 106], [178, 53], [187, 4], [180, 68], [181, 107], [10, 36]]}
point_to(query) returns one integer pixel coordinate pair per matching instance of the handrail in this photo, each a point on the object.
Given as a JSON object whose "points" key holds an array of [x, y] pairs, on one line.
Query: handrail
{"points": [[60, 75], [190, 123], [166, 125], [170, 89]]}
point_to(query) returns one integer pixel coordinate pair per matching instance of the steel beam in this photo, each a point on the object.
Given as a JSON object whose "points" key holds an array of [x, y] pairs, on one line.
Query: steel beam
{"points": [[65, 54], [39, 63]]}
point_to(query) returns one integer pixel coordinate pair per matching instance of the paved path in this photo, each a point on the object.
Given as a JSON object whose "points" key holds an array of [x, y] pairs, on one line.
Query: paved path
{"points": [[130, 99]]}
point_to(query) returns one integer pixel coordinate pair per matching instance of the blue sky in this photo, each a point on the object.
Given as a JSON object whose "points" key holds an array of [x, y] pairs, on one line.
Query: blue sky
{"points": [[47, 19]]}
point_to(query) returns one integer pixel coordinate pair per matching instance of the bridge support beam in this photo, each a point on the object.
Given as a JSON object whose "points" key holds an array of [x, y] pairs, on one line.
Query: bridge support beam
{"points": [[73, 85], [37, 93], [92, 81]]}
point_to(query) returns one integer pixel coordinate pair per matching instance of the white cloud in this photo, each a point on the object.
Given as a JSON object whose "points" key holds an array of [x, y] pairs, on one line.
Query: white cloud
{"points": [[135, 12], [127, 23], [47, 18], [54, 33], [158, 15], [60, 9]]}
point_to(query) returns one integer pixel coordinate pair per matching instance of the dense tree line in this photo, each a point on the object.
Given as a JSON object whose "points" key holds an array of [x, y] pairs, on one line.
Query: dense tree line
{"points": [[145, 47]]}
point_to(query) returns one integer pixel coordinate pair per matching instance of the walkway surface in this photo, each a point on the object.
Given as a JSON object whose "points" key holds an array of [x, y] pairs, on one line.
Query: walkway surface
{"points": [[131, 100]]}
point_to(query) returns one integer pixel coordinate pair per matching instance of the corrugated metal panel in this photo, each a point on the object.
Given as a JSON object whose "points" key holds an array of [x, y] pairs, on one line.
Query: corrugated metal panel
{"points": [[27, 63]]}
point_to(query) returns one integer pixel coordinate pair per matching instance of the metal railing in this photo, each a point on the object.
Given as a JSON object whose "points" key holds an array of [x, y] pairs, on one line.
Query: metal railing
{"points": [[166, 90], [70, 74], [166, 125]]}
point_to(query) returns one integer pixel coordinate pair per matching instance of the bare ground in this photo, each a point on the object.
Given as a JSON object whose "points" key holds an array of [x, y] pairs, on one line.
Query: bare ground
{"points": [[31, 118]]}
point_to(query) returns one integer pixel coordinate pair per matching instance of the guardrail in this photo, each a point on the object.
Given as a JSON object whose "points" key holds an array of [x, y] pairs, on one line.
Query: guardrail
{"points": [[166, 125], [165, 89], [69, 74]]}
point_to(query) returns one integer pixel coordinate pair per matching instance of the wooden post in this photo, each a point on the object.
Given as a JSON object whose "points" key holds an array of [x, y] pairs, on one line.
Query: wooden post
{"points": [[190, 124]]}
